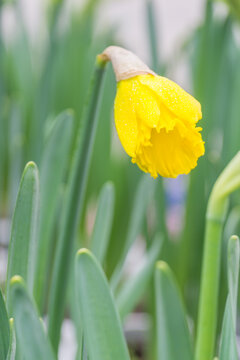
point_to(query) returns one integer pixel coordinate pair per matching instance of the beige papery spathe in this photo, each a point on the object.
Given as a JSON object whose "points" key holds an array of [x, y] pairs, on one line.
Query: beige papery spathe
{"points": [[125, 63]]}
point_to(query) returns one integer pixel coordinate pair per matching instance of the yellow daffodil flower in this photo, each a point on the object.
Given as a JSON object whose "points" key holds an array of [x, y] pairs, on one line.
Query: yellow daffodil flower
{"points": [[155, 118]]}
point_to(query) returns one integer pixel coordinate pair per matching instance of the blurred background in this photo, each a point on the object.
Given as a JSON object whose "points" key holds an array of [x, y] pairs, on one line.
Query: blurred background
{"points": [[47, 54]]}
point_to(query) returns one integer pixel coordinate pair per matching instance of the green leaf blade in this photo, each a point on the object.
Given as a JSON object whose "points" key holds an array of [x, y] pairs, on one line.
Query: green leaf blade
{"points": [[103, 222], [31, 337], [134, 288], [228, 343], [144, 194], [101, 323], [173, 337], [52, 168], [74, 205], [233, 273], [4, 329], [12, 345], [22, 247]]}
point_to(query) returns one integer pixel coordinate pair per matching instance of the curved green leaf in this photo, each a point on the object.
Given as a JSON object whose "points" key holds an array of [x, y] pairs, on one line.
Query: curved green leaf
{"points": [[233, 273], [103, 222], [144, 194], [228, 344], [134, 288], [31, 337], [4, 329], [52, 168], [173, 337], [101, 323], [74, 204], [22, 247], [12, 345]]}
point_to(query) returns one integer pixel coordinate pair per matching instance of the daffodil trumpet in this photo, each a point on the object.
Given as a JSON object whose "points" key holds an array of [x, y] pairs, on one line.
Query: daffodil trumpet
{"points": [[155, 118]]}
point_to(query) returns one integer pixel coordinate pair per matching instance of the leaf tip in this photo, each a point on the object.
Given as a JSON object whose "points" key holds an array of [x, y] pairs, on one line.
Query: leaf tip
{"points": [[162, 266], [31, 164], [30, 169], [83, 251], [234, 238], [16, 279], [109, 185], [69, 112]]}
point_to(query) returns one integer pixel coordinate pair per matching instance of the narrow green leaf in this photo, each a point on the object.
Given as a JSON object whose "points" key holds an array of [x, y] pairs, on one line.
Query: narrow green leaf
{"points": [[173, 337], [30, 334], [134, 288], [52, 167], [101, 323], [73, 306], [15, 144], [83, 351], [80, 349], [152, 32], [233, 273], [22, 247], [12, 345], [4, 329], [228, 344], [235, 108], [232, 226], [144, 194], [103, 222], [74, 204]]}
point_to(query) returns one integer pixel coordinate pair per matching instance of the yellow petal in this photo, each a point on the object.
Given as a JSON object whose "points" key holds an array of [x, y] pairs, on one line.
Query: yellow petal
{"points": [[182, 104], [125, 116], [137, 111], [170, 153], [156, 123]]}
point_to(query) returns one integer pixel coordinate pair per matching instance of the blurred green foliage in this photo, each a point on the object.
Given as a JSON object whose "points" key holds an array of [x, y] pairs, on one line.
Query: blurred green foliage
{"points": [[38, 81]]}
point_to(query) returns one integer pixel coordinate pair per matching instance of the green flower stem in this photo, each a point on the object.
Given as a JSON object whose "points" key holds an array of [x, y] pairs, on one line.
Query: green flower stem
{"points": [[209, 290], [74, 204], [228, 182]]}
